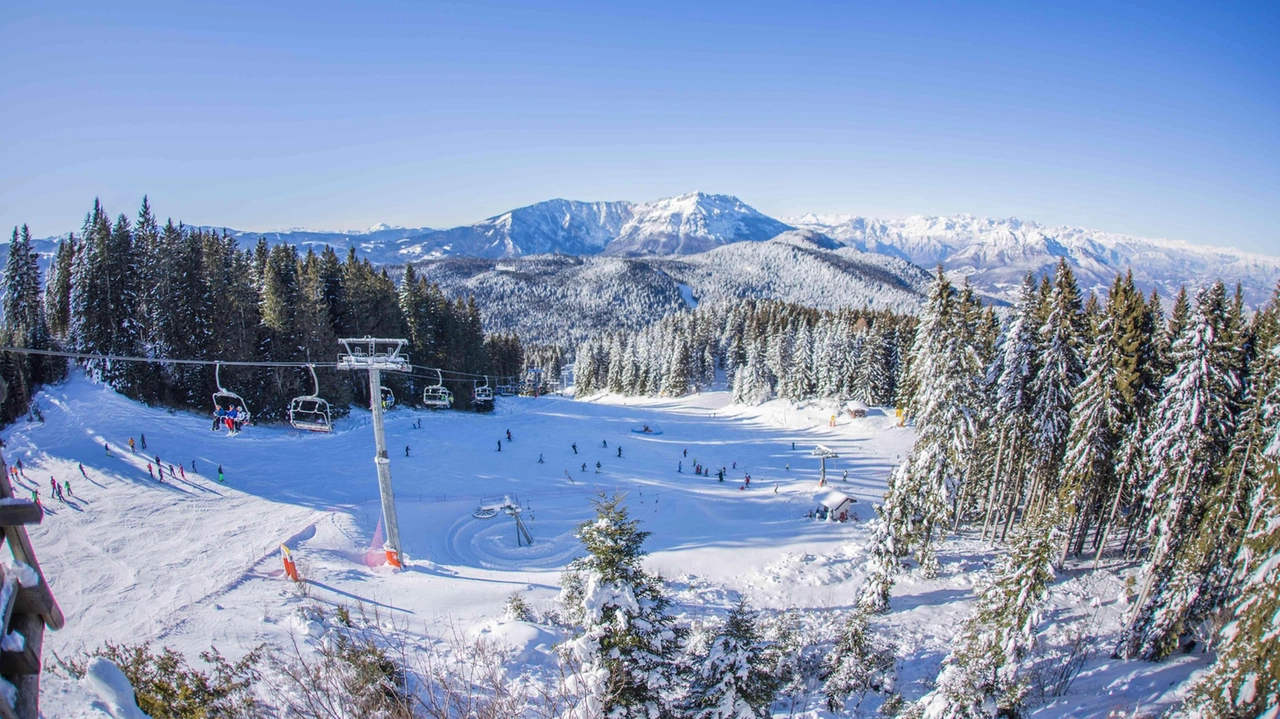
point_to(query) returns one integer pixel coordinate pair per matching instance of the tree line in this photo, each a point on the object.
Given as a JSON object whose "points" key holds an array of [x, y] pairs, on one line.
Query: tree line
{"points": [[1090, 430], [139, 288], [762, 349]]}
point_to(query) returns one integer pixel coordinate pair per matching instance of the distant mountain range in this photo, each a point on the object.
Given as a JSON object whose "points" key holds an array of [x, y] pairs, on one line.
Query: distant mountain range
{"points": [[995, 254]]}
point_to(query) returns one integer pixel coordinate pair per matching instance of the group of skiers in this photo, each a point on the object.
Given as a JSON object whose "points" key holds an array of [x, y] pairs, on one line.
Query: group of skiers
{"points": [[232, 418]]}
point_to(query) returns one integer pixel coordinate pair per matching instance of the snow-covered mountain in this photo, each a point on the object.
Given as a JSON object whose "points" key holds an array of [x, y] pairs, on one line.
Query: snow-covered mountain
{"points": [[691, 223], [563, 227], [563, 299], [995, 254]]}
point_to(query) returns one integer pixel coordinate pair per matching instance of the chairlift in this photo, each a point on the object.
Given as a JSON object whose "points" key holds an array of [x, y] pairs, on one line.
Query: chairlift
{"points": [[388, 397], [311, 412], [226, 402], [437, 396], [483, 394], [506, 390]]}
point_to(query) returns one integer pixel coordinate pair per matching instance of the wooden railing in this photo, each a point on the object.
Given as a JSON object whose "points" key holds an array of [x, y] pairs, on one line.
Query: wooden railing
{"points": [[28, 607]]}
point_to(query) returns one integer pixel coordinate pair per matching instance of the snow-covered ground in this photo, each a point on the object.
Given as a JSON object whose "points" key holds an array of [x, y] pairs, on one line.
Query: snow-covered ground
{"points": [[192, 562]]}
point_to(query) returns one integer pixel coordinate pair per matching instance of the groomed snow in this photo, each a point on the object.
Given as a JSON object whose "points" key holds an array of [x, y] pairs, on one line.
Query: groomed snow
{"points": [[192, 563]]}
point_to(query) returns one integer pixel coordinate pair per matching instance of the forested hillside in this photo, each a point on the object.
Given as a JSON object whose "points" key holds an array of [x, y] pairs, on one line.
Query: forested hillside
{"points": [[139, 289]]}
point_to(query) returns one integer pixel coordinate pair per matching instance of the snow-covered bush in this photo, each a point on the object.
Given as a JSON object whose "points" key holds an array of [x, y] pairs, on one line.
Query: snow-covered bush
{"points": [[732, 679], [858, 663]]}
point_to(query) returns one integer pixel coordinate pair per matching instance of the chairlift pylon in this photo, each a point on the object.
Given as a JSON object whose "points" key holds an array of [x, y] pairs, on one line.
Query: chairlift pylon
{"points": [[436, 396], [228, 404], [310, 412]]}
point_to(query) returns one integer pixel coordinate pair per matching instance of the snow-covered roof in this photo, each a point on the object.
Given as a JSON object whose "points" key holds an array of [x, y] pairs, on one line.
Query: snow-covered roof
{"points": [[855, 404], [832, 498]]}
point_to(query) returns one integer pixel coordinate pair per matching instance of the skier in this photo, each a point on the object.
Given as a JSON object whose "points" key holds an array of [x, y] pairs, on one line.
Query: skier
{"points": [[220, 477], [748, 482], [35, 497], [775, 487], [604, 443], [53, 483], [788, 466], [143, 437], [68, 483], [509, 436], [159, 464], [499, 445], [735, 465], [82, 472], [721, 474], [21, 471], [575, 447], [584, 466], [846, 476], [406, 450], [680, 467], [540, 459], [686, 452], [597, 468], [107, 447], [149, 472], [172, 474], [619, 450], [131, 448], [219, 415], [193, 467], [793, 446], [181, 470]]}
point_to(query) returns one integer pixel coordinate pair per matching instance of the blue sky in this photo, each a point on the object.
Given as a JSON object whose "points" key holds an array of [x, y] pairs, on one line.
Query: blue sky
{"points": [[1152, 119]]}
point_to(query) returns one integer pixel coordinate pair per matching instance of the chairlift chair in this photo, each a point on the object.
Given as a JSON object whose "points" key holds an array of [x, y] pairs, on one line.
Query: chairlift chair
{"points": [[226, 400], [311, 412], [437, 396], [483, 394], [388, 397]]}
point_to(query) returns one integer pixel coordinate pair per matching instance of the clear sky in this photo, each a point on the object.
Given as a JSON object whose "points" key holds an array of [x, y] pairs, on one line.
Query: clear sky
{"points": [[1158, 119]]}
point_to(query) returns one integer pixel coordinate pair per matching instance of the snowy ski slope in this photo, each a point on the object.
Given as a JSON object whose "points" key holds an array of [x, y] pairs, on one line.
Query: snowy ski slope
{"points": [[190, 563]]}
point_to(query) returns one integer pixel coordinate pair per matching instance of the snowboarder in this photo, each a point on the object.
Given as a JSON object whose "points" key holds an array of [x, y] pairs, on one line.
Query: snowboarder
{"points": [[406, 450], [143, 437], [499, 445], [619, 450], [82, 472], [540, 459], [575, 447], [131, 448], [509, 436], [220, 477], [149, 472], [597, 468]]}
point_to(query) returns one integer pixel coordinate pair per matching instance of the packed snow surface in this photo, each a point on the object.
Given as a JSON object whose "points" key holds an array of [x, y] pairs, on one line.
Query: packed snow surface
{"points": [[190, 562]]}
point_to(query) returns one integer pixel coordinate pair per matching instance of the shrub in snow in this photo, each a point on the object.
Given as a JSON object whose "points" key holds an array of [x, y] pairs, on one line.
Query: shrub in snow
{"points": [[732, 679], [627, 644], [518, 609], [857, 664]]}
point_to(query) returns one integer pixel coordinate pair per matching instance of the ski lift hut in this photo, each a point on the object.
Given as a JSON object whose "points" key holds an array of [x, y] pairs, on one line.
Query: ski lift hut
{"points": [[857, 409], [834, 504]]}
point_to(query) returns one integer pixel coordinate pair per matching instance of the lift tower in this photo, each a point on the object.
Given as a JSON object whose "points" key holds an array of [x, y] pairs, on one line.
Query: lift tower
{"points": [[378, 355]]}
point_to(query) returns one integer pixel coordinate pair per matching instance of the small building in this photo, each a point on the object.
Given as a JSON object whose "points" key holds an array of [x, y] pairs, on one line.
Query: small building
{"points": [[857, 409], [834, 504]]}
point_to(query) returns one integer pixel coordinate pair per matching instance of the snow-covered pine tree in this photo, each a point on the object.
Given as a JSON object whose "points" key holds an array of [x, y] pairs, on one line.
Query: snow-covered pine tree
{"points": [[24, 324], [751, 383], [856, 664], [733, 680], [1059, 373], [883, 562], [983, 675], [627, 643], [1190, 437], [57, 298]]}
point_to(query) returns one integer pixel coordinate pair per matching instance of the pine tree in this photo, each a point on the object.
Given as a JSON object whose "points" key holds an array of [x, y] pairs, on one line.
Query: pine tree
{"points": [[628, 641], [982, 676], [57, 299], [733, 680], [856, 664], [1190, 437]]}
